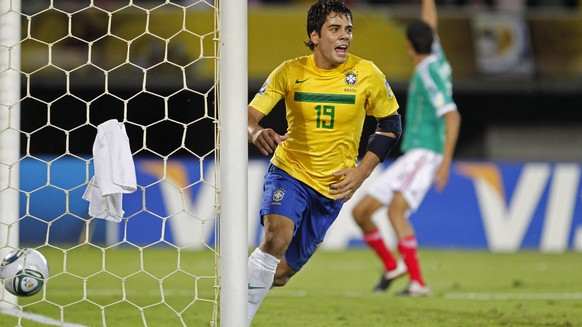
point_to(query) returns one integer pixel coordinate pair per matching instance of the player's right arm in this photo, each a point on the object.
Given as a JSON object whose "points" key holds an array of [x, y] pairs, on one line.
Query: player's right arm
{"points": [[265, 139], [429, 13], [453, 125]]}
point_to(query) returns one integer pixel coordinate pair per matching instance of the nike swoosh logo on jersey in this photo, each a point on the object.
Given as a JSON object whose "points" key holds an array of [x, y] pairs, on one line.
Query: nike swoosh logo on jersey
{"points": [[300, 81], [253, 287]]}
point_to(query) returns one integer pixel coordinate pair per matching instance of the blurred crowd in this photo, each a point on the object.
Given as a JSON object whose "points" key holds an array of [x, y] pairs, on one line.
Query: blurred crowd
{"points": [[492, 4]]}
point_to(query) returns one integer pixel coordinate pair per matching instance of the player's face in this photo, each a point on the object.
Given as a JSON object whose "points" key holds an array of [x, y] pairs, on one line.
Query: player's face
{"points": [[331, 47]]}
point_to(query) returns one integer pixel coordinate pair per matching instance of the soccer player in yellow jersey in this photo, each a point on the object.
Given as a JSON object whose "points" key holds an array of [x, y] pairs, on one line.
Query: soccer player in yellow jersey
{"points": [[314, 167]]}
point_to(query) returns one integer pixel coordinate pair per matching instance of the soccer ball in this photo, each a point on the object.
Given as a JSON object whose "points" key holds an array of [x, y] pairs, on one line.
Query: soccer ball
{"points": [[24, 271]]}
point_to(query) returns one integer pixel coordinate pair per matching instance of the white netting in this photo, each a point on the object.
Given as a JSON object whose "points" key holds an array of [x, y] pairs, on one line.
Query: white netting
{"points": [[150, 65]]}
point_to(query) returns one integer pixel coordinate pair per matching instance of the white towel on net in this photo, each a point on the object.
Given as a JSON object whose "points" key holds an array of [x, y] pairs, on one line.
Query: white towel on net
{"points": [[114, 172]]}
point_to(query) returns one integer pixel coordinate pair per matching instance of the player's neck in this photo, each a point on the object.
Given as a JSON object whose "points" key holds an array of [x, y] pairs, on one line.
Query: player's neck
{"points": [[417, 58], [322, 63]]}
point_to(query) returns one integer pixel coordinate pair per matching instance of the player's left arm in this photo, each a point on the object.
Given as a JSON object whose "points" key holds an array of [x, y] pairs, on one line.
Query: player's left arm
{"points": [[429, 13], [452, 127], [380, 144]]}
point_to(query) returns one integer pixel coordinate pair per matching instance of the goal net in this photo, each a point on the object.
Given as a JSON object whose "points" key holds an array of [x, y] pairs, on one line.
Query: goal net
{"points": [[66, 67]]}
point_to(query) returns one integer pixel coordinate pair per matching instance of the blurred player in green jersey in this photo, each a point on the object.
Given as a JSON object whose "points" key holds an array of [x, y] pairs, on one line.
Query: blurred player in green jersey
{"points": [[314, 167], [430, 136]]}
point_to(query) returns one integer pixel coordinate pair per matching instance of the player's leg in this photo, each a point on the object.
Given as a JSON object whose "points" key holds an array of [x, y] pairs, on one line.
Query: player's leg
{"points": [[407, 245], [362, 214], [280, 211], [263, 262], [278, 234], [363, 211], [397, 213], [283, 274]]}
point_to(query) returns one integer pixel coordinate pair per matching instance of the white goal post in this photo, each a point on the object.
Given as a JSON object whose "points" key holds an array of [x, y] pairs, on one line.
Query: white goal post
{"points": [[233, 162], [9, 123], [182, 57]]}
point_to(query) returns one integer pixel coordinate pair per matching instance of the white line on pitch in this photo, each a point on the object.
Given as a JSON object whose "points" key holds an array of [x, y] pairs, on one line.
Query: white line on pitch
{"points": [[514, 296], [37, 318], [448, 296]]}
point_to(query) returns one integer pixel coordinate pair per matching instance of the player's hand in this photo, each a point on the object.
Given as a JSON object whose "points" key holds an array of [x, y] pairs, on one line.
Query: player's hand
{"points": [[442, 176], [346, 188], [266, 140]]}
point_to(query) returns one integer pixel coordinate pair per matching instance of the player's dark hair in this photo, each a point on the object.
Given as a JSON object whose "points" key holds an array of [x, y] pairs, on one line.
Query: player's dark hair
{"points": [[318, 13], [420, 34]]}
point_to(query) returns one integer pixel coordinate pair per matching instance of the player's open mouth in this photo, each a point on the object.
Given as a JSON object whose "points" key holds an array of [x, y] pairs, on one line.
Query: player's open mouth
{"points": [[342, 49]]}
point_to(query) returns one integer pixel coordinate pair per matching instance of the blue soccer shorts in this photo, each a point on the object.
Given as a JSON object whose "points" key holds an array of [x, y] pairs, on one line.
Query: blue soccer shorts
{"points": [[311, 212]]}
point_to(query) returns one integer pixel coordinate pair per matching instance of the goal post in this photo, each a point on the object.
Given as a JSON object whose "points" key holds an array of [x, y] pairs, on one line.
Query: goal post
{"points": [[233, 161], [9, 136]]}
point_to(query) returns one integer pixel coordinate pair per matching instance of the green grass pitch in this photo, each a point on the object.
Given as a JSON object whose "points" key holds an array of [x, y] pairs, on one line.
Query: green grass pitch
{"points": [[471, 288]]}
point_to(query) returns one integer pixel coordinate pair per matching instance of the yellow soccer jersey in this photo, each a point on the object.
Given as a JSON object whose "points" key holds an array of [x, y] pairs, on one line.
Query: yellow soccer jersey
{"points": [[325, 112]]}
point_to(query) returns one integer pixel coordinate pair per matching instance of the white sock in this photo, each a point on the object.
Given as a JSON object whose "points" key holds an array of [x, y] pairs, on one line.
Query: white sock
{"points": [[262, 268]]}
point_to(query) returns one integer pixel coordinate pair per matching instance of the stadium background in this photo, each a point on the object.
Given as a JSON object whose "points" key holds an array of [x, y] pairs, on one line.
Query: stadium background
{"points": [[517, 82]]}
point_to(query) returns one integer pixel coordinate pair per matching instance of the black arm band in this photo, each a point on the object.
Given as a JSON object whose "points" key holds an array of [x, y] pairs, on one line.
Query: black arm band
{"points": [[381, 145], [390, 124]]}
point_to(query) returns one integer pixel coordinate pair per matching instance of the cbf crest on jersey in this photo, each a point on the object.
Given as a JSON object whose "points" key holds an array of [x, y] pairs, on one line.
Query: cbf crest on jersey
{"points": [[278, 194], [388, 89], [351, 78]]}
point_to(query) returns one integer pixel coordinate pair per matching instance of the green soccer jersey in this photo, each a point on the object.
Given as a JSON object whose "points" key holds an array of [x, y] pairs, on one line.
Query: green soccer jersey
{"points": [[429, 98], [325, 112]]}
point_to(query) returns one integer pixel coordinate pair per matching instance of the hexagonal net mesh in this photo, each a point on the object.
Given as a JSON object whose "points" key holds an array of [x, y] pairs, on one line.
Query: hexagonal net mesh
{"points": [[65, 68]]}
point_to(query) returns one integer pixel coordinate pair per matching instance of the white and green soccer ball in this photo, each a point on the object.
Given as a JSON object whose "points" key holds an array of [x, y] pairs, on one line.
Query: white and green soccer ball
{"points": [[24, 271]]}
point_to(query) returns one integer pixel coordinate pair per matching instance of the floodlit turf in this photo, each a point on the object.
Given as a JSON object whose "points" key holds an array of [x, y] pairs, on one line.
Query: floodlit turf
{"points": [[471, 288]]}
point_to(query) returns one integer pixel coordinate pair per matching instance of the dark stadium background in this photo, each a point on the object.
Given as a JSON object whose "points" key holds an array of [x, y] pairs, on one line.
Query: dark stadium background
{"points": [[549, 100], [533, 107]]}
